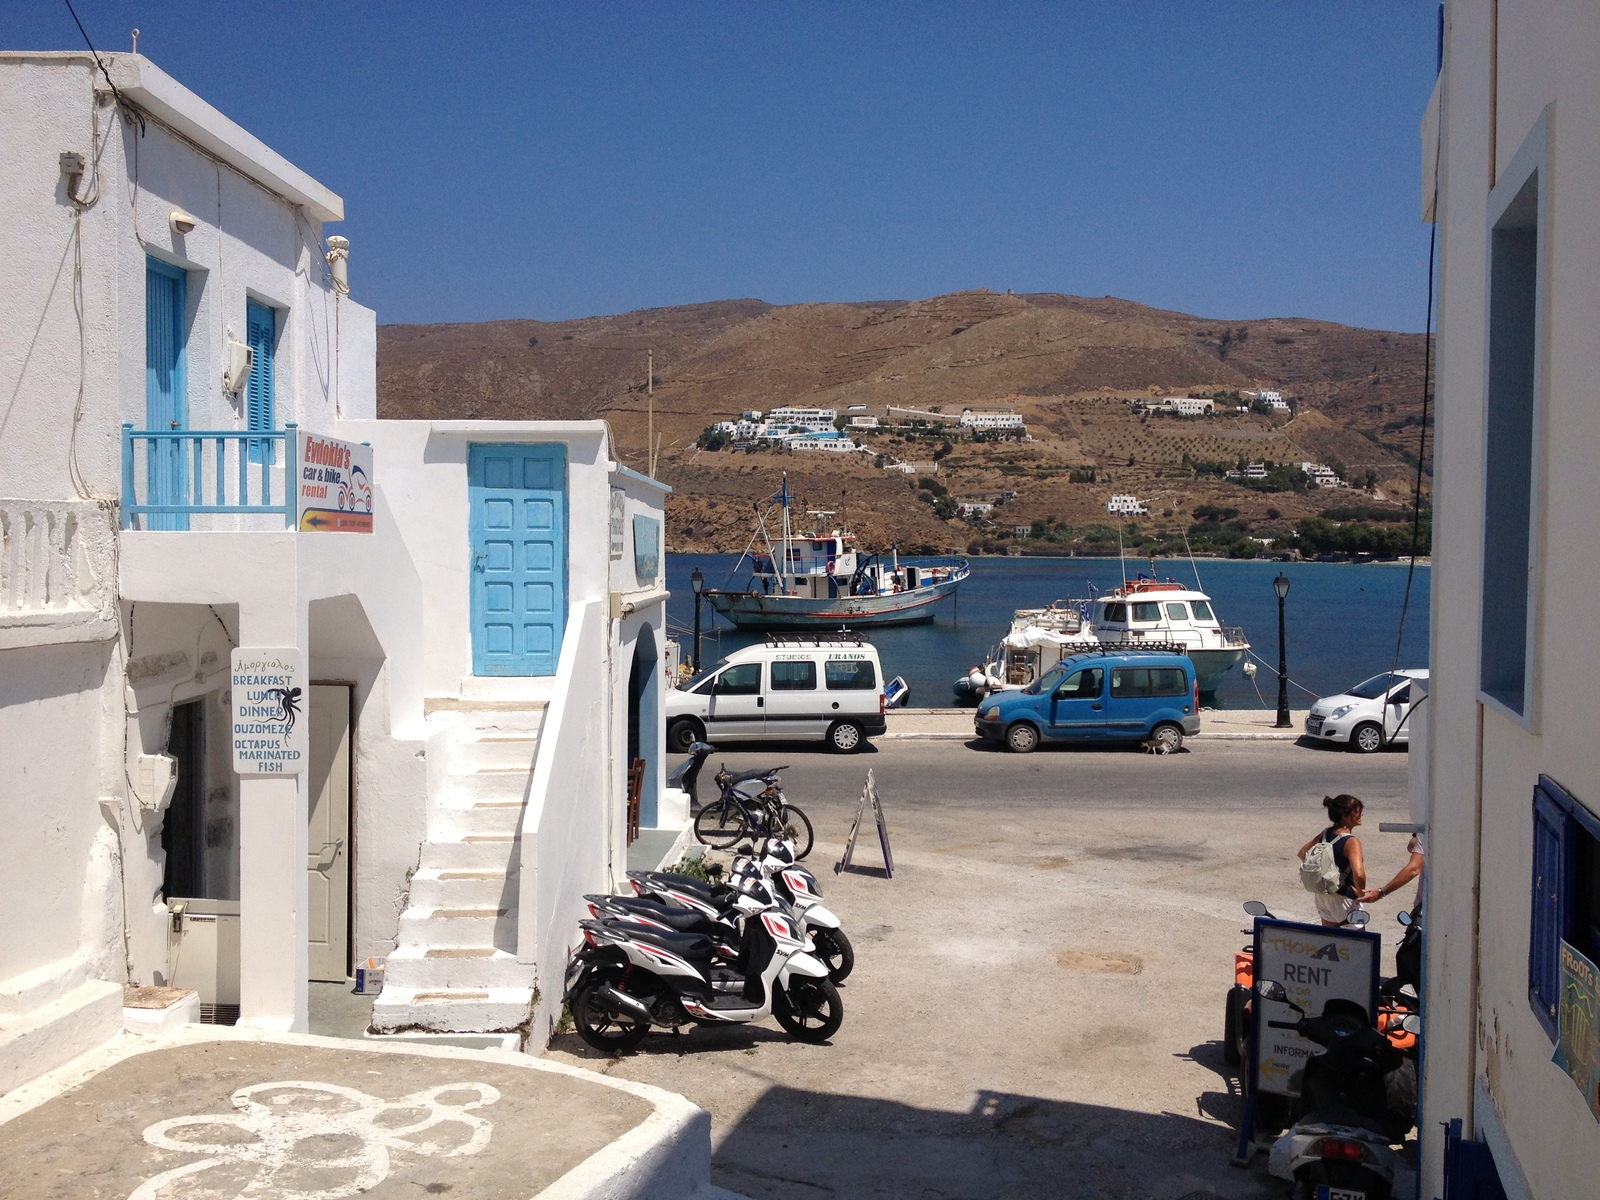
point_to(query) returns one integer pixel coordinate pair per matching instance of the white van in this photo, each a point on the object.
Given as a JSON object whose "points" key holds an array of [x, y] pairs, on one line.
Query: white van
{"points": [[784, 689]]}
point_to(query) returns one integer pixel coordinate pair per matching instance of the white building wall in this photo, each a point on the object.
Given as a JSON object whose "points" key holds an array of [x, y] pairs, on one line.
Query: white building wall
{"points": [[1488, 1059]]}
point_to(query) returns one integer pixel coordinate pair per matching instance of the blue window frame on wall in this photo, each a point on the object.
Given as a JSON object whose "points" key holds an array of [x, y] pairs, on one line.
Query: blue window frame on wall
{"points": [[1566, 893], [261, 329], [166, 404]]}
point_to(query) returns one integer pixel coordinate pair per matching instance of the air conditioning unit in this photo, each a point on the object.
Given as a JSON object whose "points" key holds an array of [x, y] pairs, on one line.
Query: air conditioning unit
{"points": [[237, 359], [203, 954]]}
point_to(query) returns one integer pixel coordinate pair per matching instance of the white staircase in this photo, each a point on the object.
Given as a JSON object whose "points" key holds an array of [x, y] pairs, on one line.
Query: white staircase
{"points": [[454, 968]]}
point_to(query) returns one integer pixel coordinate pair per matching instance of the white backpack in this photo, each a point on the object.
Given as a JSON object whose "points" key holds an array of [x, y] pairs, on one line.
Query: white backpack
{"points": [[1320, 871]]}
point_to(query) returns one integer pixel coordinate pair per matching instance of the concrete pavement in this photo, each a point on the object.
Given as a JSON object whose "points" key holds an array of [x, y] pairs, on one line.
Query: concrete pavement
{"points": [[1037, 1004]]}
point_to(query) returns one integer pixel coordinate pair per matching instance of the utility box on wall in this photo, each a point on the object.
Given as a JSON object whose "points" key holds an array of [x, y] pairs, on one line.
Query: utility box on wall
{"points": [[204, 955]]}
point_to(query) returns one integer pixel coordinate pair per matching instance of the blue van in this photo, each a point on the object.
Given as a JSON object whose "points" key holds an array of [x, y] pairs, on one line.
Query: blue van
{"points": [[1103, 695]]}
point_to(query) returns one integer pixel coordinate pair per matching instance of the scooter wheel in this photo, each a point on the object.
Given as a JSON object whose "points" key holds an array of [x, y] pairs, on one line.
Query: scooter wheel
{"points": [[601, 1028], [835, 951], [1233, 1032], [810, 1010]]}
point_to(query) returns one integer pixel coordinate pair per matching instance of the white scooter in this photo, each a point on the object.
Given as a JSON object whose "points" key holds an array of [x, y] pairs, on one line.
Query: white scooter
{"points": [[798, 888], [1338, 1148], [626, 978]]}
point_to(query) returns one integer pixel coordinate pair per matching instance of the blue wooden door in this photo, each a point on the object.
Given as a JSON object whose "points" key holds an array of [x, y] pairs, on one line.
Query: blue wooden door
{"points": [[518, 496], [165, 403], [260, 398]]}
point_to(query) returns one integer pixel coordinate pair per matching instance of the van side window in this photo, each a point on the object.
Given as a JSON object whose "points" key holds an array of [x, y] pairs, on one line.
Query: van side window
{"points": [[706, 686], [741, 680], [1082, 684], [1147, 611], [794, 676], [1129, 682], [1178, 611], [851, 675], [1168, 681]]}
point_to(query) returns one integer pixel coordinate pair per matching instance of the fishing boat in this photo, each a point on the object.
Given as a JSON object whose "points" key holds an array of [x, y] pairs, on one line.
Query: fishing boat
{"points": [[1144, 613], [800, 581]]}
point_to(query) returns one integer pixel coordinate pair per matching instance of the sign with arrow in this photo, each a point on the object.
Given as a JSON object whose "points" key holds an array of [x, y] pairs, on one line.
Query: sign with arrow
{"points": [[332, 485]]}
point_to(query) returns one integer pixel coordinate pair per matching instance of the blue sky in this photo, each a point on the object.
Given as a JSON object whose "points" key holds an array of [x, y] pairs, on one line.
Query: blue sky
{"points": [[552, 160]]}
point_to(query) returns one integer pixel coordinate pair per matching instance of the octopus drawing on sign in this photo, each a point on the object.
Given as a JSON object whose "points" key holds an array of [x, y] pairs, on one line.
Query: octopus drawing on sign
{"points": [[313, 1141]]}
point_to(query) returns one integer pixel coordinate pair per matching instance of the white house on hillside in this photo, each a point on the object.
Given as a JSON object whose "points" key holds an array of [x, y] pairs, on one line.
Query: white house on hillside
{"points": [[282, 686], [1510, 780]]}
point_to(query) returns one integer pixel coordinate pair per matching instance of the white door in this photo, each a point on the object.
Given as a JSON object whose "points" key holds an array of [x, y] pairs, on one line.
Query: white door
{"points": [[328, 833], [795, 706], [738, 707]]}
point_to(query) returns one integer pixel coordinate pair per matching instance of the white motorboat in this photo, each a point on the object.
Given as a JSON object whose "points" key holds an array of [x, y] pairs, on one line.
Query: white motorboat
{"points": [[1144, 612]]}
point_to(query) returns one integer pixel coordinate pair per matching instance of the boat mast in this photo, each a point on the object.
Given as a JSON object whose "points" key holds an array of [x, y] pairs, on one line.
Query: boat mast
{"points": [[783, 492]]}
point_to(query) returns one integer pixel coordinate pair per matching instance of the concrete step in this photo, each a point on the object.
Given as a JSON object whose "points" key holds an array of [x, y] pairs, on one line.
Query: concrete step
{"points": [[506, 785], [452, 1010], [495, 751], [458, 928], [487, 817], [486, 852], [437, 967], [434, 888]]}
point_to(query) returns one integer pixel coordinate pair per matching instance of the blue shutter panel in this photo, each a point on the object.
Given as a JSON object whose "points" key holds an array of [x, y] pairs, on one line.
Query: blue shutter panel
{"points": [[165, 302], [1548, 922], [260, 326]]}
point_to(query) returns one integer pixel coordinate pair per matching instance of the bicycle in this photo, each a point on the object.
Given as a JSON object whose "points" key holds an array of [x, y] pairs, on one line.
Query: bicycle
{"points": [[740, 816]]}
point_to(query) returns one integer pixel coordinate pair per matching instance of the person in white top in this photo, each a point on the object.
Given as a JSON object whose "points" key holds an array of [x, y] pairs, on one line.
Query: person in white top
{"points": [[1413, 868]]}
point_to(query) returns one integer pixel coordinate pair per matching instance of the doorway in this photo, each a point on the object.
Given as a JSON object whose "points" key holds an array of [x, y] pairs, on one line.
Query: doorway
{"points": [[183, 828], [518, 528], [644, 718], [328, 833]]}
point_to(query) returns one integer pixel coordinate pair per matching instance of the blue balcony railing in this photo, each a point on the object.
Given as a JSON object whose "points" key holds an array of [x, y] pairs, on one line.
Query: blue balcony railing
{"points": [[170, 475]]}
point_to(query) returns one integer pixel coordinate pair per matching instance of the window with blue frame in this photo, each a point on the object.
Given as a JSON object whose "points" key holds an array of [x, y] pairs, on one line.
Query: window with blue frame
{"points": [[261, 333], [1566, 893]]}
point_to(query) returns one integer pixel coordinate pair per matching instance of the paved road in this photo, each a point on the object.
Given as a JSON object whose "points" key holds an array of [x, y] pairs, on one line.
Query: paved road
{"points": [[1037, 1004]]}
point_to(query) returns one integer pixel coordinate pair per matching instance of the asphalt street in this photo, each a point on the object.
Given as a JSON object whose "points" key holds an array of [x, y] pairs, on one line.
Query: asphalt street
{"points": [[1037, 1004]]}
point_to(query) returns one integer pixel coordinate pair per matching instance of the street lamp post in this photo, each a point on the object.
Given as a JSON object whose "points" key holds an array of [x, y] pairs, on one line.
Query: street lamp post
{"points": [[1281, 586], [697, 582]]}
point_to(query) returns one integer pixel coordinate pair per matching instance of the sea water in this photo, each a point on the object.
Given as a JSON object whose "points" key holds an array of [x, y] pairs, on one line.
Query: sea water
{"points": [[1341, 619]]}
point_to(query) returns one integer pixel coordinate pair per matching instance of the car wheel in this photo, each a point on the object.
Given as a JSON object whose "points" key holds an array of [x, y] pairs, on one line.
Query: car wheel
{"points": [[682, 734], [845, 737], [1366, 738], [1166, 739], [1022, 738]]}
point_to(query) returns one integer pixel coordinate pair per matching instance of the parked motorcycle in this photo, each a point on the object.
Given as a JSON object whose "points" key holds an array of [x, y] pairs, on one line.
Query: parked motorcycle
{"points": [[789, 884], [1339, 1140], [686, 775], [626, 979]]}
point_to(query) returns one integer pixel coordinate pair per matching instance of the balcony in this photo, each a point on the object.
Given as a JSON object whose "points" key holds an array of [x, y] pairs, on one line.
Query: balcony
{"points": [[172, 476]]}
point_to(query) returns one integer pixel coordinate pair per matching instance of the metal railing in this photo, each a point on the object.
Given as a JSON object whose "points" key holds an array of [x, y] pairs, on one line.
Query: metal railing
{"points": [[169, 475]]}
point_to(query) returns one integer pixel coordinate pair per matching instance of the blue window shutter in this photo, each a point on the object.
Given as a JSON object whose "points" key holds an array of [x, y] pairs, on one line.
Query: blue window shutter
{"points": [[260, 333], [1551, 852]]}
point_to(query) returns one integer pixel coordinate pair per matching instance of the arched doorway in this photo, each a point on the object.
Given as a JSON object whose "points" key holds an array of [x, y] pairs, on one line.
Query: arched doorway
{"points": [[644, 720]]}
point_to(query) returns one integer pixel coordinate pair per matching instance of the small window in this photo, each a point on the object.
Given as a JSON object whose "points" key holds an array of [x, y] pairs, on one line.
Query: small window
{"points": [[704, 687], [1115, 612], [1401, 695], [1168, 681], [794, 676], [1146, 612], [742, 680], [1566, 893], [1130, 682], [851, 675], [1083, 685], [1177, 611], [1202, 611]]}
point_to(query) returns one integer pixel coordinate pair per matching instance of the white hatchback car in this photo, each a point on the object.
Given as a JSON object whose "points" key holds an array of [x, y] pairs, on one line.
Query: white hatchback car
{"points": [[1370, 715]]}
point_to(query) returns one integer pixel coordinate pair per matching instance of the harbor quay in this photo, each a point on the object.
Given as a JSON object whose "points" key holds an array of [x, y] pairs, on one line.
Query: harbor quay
{"points": [[1037, 1006]]}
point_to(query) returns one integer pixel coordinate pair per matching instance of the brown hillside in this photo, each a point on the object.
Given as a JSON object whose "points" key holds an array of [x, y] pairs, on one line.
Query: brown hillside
{"points": [[1067, 363]]}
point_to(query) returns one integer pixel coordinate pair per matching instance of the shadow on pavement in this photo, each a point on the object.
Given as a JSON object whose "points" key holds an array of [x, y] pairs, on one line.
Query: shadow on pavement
{"points": [[796, 1143]]}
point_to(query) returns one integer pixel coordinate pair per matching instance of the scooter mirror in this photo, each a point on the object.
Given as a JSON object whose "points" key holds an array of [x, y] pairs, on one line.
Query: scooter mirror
{"points": [[1359, 917], [1403, 917], [1412, 1023], [1271, 989], [1256, 909]]}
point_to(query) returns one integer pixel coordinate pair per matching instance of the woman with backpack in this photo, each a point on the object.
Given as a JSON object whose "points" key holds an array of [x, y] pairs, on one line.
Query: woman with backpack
{"points": [[1332, 867]]}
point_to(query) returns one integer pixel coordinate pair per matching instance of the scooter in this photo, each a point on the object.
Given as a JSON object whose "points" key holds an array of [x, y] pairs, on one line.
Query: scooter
{"points": [[686, 775], [790, 883], [625, 979], [1338, 1146]]}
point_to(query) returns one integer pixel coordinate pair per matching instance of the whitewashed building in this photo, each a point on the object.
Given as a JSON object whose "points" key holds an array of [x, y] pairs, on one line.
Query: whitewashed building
{"points": [[1321, 475], [1273, 400], [808, 444], [802, 418], [1127, 504], [475, 626], [1255, 470], [991, 420], [1510, 781]]}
